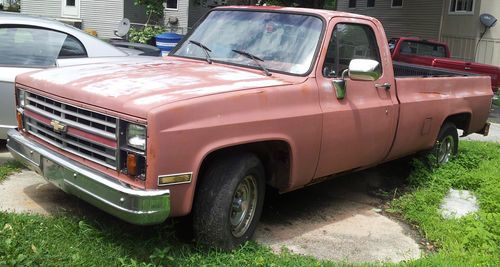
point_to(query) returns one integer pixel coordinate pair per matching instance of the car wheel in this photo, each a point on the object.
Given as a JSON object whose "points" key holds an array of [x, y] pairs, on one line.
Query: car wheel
{"points": [[446, 146], [228, 202]]}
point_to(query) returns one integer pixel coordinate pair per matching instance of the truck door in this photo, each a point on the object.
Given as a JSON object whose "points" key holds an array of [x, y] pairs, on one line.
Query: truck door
{"points": [[359, 129]]}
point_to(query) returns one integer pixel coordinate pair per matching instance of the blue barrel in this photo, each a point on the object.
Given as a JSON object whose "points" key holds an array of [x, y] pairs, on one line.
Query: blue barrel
{"points": [[167, 41]]}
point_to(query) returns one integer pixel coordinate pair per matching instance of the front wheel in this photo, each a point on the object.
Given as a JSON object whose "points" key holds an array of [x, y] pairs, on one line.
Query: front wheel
{"points": [[229, 202], [446, 146]]}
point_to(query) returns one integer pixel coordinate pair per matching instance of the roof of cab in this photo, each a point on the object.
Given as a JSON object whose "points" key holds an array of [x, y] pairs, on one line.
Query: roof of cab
{"points": [[326, 14]]}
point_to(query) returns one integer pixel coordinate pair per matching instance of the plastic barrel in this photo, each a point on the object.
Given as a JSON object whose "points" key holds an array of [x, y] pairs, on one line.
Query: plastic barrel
{"points": [[167, 41]]}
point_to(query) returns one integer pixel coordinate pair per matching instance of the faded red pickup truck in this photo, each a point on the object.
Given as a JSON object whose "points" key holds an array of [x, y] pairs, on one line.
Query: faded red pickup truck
{"points": [[254, 96], [436, 54]]}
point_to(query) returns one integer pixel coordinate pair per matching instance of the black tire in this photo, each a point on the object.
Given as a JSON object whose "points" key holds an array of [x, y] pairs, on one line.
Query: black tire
{"points": [[219, 202], [446, 146]]}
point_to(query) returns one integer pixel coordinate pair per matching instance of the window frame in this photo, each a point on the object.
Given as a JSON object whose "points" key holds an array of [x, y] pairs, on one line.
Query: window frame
{"points": [[379, 56], [172, 8], [393, 6], [368, 1], [349, 4], [460, 12]]}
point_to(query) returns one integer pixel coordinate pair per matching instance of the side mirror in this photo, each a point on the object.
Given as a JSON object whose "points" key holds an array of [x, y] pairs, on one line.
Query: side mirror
{"points": [[359, 70], [364, 70]]}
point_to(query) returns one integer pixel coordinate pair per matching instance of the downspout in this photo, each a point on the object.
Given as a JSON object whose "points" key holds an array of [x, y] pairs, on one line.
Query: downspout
{"points": [[443, 13]]}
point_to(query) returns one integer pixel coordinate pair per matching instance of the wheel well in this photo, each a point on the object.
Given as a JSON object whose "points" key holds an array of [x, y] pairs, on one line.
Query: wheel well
{"points": [[460, 120], [274, 155]]}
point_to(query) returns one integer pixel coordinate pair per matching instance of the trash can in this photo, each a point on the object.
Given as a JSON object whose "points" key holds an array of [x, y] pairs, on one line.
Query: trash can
{"points": [[167, 41]]}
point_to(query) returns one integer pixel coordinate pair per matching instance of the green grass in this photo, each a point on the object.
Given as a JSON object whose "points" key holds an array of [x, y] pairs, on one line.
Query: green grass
{"points": [[69, 240], [8, 168], [496, 102], [473, 239]]}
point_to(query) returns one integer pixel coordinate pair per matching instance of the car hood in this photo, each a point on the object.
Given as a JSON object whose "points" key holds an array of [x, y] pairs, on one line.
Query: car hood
{"points": [[135, 88]]}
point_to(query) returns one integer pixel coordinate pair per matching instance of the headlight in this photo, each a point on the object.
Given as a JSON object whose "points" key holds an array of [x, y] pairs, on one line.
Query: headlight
{"points": [[21, 97], [136, 136]]}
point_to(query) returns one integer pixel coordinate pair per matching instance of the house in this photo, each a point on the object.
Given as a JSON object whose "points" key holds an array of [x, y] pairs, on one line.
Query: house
{"points": [[455, 22], [102, 16]]}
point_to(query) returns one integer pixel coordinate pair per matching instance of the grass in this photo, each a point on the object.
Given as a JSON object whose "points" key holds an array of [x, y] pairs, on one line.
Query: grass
{"points": [[71, 240], [496, 101], [470, 240], [8, 168]]}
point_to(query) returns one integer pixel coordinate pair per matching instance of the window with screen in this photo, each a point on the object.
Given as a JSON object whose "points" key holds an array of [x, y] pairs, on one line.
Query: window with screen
{"points": [[172, 4], [349, 41], [370, 3], [461, 6], [352, 3], [397, 3]]}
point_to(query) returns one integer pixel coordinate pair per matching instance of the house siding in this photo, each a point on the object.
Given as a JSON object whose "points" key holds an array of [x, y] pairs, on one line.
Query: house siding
{"points": [[181, 14], [462, 33], [420, 18], [45, 8], [102, 16]]}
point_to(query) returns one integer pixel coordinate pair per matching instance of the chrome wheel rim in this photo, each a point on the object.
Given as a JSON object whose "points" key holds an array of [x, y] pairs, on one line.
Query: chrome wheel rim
{"points": [[243, 206], [445, 149]]}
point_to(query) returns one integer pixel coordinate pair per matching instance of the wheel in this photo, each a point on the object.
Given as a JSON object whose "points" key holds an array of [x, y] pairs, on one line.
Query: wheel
{"points": [[446, 146], [228, 202]]}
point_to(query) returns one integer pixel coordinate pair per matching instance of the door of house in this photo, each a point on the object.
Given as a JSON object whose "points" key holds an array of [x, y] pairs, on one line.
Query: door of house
{"points": [[70, 8]]}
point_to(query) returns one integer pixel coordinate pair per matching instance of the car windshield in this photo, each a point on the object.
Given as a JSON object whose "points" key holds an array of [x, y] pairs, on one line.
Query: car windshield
{"points": [[284, 42]]}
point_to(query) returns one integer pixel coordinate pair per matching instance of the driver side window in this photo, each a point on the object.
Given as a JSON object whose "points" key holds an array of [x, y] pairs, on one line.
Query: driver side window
{"points": [[349, 41]]}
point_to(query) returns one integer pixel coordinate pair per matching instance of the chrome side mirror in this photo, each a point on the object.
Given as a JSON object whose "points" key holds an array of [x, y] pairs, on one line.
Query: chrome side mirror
{"points": [[364, 70]]}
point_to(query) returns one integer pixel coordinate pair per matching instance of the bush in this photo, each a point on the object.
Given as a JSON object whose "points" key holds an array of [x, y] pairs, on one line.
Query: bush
{"points": [[145, 35]]}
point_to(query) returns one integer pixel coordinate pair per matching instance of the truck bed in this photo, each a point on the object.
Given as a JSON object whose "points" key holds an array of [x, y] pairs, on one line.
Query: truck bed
{"points": [[402, 69]]}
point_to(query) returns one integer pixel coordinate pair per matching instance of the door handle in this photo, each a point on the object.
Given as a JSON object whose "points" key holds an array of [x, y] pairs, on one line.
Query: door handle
{"points": [[467, 68], [386, 86]]}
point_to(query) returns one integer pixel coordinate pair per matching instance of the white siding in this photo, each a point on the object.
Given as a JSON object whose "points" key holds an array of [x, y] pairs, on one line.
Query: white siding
{"points": [[102, 16], [45, 8], [418, 18], [181, 14]]}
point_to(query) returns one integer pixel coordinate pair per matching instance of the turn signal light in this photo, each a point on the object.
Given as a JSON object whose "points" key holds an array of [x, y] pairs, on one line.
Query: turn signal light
{"points": [[131, 164], [20, 123]]}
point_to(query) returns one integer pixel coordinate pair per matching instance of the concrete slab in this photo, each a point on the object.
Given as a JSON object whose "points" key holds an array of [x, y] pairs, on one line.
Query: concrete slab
{"points": [[336, 221], [458, 203], [493, 136]]}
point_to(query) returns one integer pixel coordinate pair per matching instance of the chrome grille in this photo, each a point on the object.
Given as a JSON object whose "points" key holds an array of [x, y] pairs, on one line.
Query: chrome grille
{"points": [[86, 121]]}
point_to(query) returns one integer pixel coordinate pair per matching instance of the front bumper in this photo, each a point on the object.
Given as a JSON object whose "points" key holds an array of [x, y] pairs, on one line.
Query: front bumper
{"points": [[101, 190]]}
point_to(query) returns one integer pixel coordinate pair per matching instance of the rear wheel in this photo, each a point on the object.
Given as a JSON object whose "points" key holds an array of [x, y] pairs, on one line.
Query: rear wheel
{"points": [[446, 146], [229, 202]]}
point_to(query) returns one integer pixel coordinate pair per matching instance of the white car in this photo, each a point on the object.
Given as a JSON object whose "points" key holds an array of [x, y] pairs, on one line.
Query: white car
{"points": [[31, 43]]}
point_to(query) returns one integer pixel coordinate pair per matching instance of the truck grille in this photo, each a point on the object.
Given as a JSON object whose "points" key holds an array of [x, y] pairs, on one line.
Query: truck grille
{"points": [[87, 134]]}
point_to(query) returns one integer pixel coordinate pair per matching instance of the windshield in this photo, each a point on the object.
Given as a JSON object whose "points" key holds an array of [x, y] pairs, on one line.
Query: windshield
{"points": [[285, 42]]}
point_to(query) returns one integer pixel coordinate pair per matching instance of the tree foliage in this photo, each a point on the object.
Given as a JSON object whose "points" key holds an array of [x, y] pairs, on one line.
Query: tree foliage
{"points": [[154, 9]]}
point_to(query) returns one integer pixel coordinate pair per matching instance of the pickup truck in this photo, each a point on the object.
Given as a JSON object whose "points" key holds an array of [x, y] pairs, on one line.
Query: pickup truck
{"points": [[253, 97], [436, 54]]}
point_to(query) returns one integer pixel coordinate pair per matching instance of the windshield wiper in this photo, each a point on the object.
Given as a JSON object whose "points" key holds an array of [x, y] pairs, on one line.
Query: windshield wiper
{"points": [[205, 49], [255, 59]]}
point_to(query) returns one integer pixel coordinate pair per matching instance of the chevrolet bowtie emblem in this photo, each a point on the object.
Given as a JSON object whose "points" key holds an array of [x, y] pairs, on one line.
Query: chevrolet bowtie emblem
{"points": [[58, 126]]}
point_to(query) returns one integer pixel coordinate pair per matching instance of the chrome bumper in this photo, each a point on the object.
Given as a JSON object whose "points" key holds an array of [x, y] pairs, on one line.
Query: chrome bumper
{"points": [[99, 189]]}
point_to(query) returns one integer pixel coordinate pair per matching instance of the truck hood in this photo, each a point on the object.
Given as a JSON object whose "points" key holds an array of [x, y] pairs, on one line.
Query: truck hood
{"points": [[135, 88]]}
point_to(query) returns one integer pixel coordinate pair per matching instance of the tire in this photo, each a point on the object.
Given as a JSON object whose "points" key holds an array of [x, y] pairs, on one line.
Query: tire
{"points": [[446, 146], [229, 201]]}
